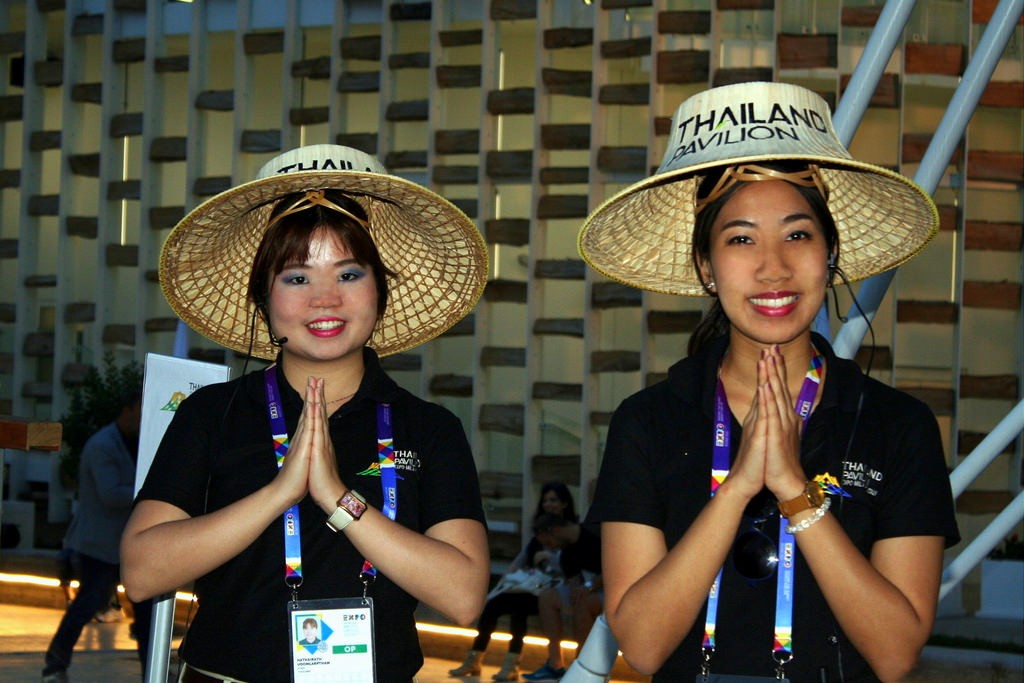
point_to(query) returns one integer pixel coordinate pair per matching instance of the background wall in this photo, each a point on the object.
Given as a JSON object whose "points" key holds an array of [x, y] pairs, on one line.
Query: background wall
{"points": [[118, 116]]}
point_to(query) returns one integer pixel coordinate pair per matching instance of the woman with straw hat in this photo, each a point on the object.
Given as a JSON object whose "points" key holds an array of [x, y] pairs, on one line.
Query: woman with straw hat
{"points": [[316, 488], [768, 510]]}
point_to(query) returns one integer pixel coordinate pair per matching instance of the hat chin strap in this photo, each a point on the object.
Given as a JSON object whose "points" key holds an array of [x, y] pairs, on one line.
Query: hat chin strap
{"points": [[749, 173], [317, 198]]}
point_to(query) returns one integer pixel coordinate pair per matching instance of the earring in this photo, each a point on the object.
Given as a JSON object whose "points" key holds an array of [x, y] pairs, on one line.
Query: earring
{"points": [[711, 284]]}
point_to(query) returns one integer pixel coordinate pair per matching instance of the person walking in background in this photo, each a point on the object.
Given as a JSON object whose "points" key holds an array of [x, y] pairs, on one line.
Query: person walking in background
{"points": [[768, 510], [556, 499], [581, 600], [68, 570], [316, 487], [106, 489]]}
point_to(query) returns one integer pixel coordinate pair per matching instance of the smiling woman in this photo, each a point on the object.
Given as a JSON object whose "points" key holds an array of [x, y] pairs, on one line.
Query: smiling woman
{"points": [[809, 226], [767, 255], [750, 531], [320, 286], [322, 264]]}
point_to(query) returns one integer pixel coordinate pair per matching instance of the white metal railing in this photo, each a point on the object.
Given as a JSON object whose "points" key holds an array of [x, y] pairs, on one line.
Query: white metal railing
{"points": [[951, 129], [986, 451], [971, 556], [1000, 527]]}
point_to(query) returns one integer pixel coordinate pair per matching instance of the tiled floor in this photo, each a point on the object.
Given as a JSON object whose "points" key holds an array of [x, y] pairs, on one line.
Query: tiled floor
{"points": [[106, 654]]}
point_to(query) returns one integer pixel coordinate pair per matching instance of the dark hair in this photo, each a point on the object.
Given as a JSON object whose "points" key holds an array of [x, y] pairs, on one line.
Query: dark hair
{"points": [[546, 521], [309, 621], [715, 323], [564, 495], [287, 241]]}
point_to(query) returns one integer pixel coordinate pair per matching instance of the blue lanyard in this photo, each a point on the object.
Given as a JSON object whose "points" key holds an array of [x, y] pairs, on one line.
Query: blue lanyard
{"points": [[292, 527], [388, 478], [782, 649]]}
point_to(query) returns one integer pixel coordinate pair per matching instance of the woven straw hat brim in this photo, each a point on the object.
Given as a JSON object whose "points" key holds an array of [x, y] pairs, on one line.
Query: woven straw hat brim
{"points": [[436, 251], [642, 236]]}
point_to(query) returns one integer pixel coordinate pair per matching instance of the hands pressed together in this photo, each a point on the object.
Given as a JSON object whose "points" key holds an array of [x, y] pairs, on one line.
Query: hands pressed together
{"points": [[310, 465], [769, 452]]}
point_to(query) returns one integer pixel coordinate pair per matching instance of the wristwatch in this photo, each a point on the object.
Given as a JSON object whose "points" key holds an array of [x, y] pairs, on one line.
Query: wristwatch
{"points": [[351, 507], [812, 497]]}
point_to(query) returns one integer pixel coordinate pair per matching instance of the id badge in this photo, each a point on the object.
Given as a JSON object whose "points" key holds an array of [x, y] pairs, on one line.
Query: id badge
{"points": [[727, 678], [332, 640]]}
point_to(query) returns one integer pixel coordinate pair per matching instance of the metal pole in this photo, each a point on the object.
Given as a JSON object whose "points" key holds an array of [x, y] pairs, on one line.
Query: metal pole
{"points": [[884, 37], [971, 556], [159, 654], [596, 656], [951, 129], [986, 451]]}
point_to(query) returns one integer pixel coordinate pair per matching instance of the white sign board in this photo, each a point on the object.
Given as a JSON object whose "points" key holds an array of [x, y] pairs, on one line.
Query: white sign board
{"points": [[168, 381]]}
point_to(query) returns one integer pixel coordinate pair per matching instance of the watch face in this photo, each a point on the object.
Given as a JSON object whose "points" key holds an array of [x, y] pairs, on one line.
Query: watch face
{"points": [[815, 494], [355, 506]]}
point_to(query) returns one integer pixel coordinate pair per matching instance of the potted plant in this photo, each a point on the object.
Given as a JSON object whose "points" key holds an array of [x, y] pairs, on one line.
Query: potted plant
{"points": [[93, 404], [1002, 581]]}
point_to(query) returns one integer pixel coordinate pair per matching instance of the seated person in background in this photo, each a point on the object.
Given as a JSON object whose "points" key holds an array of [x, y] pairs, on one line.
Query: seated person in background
{"points": [[580, 557], [555, 498]]}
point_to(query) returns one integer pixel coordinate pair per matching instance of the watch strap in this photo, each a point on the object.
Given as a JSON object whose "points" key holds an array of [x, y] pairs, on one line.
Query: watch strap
{"points": [[340, 519]]}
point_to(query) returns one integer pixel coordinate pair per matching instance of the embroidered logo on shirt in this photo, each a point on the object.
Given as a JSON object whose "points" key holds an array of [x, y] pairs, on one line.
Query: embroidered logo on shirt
{"points": [[831, 485], [408, 461]]}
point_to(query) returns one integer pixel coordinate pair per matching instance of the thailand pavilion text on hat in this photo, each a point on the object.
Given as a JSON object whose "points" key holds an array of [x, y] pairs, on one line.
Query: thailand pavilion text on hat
{"points": [[742, 124]]}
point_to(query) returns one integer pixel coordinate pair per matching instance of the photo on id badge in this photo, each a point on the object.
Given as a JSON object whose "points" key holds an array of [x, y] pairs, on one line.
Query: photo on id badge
{"points": [[310, 640], [332, 640]]}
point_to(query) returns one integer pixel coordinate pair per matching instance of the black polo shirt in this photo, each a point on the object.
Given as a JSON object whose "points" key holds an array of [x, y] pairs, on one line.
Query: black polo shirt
{"points": [[656, 471], [218, 449]]}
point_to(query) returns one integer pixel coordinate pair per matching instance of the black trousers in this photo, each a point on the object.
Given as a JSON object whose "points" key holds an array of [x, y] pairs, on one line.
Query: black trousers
{"points": [[518, 606]]}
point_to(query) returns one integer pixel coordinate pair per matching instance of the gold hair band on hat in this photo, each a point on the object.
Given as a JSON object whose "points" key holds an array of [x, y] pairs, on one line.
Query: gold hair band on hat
{"points": [[749, 173], [317, 198]]}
